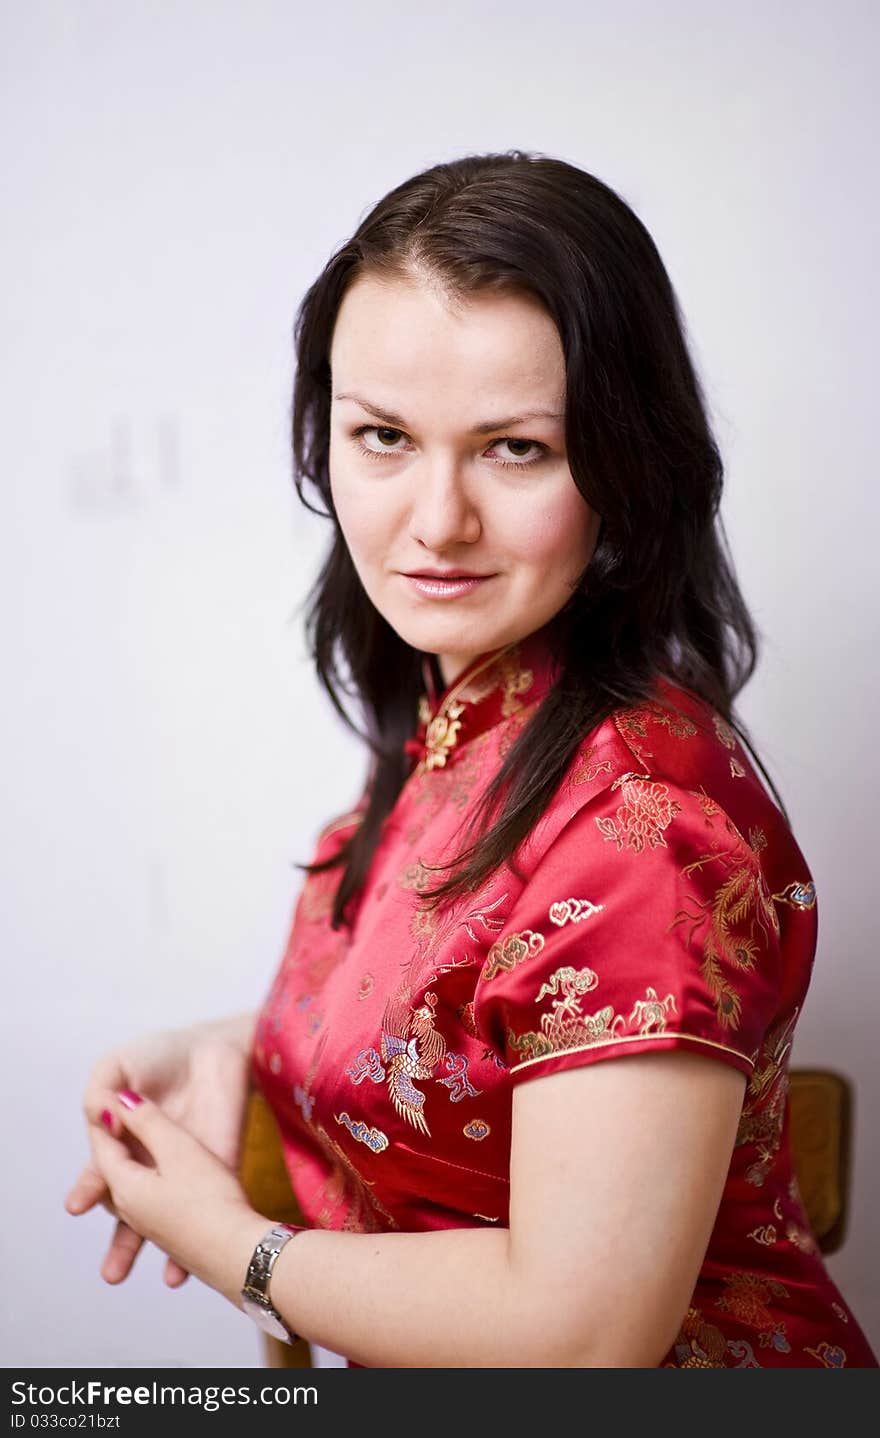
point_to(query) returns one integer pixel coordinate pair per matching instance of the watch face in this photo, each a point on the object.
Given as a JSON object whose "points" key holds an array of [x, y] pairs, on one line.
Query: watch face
{"points": [[267, 1319]]}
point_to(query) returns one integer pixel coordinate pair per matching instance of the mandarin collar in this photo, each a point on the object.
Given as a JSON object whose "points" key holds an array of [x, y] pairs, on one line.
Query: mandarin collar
{"points": [[494, 686]]}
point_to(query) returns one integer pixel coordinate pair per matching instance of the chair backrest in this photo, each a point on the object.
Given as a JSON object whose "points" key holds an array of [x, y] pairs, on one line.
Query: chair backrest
{"points": [[820, 1105], [821, 1108], [264, 1178]]}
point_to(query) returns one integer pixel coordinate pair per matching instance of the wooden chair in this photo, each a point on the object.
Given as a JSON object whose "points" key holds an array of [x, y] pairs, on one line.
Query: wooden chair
{"points": [[821, 1105]]}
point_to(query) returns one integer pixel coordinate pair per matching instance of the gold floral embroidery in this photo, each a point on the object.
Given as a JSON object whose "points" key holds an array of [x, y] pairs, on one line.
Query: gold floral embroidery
{"points": [[650, 1012], [741, 896], [566, 911], [772, 1056], [441, 734], [497, 671], [632, 725], [516, 681], [441, 731], [572, 984], [635, 721], [458, 781], [645, 812], [558, 1035], [510, 730], [452, 785], [410, 1046], [699, 1344], [416, 878], [423, 927], [678, 725], [433, 928], [345, 1184], [627, 777], [765, 1233], [736, 769], [747, 1299], [763, 1114], [725, 734], [505, 954], [707, 804], [587, 769]]}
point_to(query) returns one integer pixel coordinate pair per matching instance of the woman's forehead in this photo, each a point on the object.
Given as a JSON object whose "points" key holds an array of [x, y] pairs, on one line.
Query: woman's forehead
{"points": [[400, 348]]}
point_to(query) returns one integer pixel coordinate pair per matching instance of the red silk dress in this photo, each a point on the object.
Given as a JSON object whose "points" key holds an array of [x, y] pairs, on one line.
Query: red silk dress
{"points": [[663, 904]]}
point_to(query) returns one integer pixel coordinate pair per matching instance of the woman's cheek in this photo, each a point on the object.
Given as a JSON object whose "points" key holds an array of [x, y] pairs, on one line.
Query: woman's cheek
{"points": [[352, 511], [545, 534]]}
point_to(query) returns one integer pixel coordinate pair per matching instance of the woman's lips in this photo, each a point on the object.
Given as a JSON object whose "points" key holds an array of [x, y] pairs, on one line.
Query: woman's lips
{"points": [[445, 588]]}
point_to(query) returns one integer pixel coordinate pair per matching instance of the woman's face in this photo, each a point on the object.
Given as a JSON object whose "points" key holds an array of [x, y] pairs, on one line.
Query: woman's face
{"points": [[463, 468]]}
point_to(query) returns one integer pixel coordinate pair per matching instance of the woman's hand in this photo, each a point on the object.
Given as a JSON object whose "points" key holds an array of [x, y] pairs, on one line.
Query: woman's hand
{"points": [[180, 1196], [200, 1077]]}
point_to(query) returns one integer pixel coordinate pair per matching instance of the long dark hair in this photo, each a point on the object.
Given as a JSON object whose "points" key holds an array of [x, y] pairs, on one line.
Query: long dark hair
{"points": [[659, 595]]}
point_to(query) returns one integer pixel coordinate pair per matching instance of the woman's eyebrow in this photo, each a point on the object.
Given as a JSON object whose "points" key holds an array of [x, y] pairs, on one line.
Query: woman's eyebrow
{"points": [[487, 427]]}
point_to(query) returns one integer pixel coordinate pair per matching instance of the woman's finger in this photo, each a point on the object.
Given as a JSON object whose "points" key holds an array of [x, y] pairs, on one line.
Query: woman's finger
{"points": [[124, 1249], [174, 1274], [98, 1109], [89, 1189]]}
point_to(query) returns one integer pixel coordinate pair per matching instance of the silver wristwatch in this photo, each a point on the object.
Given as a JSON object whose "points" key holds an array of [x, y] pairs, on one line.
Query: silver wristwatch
{"points": [[255, 1295]]}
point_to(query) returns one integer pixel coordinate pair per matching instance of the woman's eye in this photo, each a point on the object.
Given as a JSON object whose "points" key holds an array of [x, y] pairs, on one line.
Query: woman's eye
{"points": [[388, 445], [382, 430], [529, 443]]}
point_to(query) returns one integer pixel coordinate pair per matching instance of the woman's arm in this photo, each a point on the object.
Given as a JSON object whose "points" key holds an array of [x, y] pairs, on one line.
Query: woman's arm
{"points": [[617, 1171]]}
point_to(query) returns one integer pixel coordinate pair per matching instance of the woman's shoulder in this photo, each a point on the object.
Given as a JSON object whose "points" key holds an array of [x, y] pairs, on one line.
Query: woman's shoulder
{"points": [[674, 753], [675, 737], [674, 724]]}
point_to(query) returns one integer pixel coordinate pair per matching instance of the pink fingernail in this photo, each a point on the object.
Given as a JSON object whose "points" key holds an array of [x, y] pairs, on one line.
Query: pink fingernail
{"points": [[106, 1118], [129, 1098]]}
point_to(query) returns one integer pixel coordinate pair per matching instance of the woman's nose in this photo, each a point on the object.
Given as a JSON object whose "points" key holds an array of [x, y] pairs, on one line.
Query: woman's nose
{"points": [[444, 512]]}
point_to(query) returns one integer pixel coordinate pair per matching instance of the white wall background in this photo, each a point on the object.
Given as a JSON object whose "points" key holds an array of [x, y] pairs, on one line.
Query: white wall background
{"points": [[175, 175]]}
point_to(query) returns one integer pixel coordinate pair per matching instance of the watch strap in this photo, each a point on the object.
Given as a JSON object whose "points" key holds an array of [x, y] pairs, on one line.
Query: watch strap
{"points": [[259, 1273]]}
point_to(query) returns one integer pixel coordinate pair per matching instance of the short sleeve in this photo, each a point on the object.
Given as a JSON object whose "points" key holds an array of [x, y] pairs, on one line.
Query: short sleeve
{"points": [[646, 925]]}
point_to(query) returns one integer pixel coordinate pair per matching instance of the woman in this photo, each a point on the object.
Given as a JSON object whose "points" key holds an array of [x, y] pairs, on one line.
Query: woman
{"points": [[562, 856]]}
